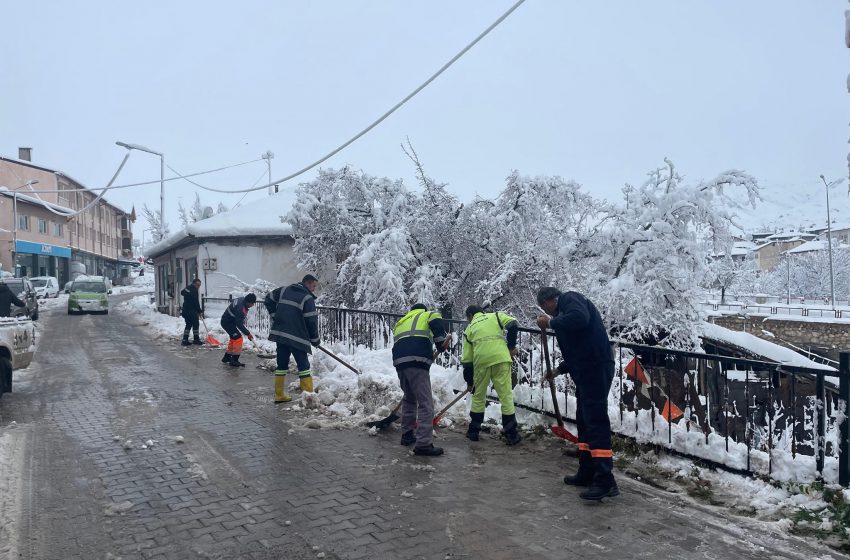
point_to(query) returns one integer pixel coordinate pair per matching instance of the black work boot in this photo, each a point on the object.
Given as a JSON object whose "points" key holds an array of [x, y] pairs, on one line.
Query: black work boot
{"points": [[603, 484], [584, 476], [408, 438], [234, 361], [429, 451], [475, 420], [226, 358], [509, 429], [197, 340], [185, 341]]}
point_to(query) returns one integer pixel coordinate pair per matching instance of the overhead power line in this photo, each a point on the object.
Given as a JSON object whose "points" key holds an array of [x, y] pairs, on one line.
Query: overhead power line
{"points": [[380, 119]]}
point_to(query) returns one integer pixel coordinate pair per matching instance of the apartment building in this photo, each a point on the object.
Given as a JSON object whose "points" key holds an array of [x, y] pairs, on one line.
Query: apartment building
{"points": [[37, 239]]}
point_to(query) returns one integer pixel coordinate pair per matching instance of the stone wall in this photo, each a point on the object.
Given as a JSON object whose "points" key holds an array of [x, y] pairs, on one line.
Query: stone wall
{"points": [[822, 338]]}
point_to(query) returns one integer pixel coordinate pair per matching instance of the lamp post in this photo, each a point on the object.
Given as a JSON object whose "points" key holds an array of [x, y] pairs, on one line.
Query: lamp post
{"points": [[829, 241], [15, 223], [268, 157], [161, 181]]}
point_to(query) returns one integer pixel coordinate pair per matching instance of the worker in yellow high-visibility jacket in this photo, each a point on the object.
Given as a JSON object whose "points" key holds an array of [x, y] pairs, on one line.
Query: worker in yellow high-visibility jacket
{"points": [[486, 359], [413, 338]]}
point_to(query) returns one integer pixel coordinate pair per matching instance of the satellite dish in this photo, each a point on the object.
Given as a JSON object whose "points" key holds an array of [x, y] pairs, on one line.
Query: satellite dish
{"points": [[208, 212]]}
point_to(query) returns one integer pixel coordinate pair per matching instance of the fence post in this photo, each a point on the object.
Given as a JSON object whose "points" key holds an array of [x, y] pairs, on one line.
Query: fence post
{"points": [[820, 427], [844, 433]]}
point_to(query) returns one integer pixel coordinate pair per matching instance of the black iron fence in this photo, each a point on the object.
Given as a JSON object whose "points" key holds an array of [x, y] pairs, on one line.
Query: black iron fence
{"points": [[746, 415]]}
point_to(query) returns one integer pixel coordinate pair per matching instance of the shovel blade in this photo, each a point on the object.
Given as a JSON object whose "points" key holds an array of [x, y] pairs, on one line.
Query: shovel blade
{"points": [[383, 422], [563, 433], [212, 341]]}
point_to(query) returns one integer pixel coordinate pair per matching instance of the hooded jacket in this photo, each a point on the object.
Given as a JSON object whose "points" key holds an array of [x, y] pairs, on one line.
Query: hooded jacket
{"points": [[295, 321], [234, 316], [191, 301], [581, 335]]}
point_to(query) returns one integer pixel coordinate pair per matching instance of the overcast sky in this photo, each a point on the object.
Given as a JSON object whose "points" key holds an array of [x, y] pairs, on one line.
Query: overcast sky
{"points": [[599, 91]]}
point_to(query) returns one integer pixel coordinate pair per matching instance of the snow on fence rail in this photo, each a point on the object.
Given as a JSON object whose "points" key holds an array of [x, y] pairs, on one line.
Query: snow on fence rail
{"points": [[745, 415], [776, 309]]}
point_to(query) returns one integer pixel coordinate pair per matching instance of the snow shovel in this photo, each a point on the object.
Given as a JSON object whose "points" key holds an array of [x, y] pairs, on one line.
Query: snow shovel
{"points": [[439, 415], [211, 340], [559, 430], [260, 353], [385, 422]]}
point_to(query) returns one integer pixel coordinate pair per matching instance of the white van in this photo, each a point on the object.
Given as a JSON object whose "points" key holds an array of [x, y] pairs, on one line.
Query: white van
{"points": [[45, 286]]}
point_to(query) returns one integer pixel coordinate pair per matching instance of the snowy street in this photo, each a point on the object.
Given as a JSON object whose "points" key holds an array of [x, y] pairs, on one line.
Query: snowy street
{"points": [[117, 444]]}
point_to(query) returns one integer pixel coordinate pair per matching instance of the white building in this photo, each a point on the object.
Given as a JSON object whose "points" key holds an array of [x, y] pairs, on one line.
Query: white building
{"points": [[229, 252]]}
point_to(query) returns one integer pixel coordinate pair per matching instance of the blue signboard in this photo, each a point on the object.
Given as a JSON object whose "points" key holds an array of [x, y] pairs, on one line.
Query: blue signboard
{"points": [[42, 249]]}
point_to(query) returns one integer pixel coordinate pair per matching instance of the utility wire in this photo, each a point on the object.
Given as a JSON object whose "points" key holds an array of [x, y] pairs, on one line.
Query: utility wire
{"points": [[303, 170], [48, 205], [156, 181], [391, 111]]}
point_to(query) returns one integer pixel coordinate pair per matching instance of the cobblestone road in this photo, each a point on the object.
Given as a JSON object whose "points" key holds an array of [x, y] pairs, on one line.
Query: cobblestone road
{"points": [[244, 484]]}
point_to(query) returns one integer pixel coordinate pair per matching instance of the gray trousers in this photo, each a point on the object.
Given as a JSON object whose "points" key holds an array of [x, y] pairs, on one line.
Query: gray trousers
{"points": [[417, 405]]}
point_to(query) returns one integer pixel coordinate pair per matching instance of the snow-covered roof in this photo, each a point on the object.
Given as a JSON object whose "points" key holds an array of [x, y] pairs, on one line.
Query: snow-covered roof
{"points": [[261, 217], [809, 246], [756, 345], [791, 236]]}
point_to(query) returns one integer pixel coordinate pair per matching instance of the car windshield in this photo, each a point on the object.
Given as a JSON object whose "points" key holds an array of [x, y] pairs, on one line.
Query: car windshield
{"points": [[15, 285], [89, 287], [38, 283]]}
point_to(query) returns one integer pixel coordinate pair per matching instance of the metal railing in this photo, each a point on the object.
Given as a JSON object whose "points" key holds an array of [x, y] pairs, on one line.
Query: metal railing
{"points": [[744, 415], [774, 309]]}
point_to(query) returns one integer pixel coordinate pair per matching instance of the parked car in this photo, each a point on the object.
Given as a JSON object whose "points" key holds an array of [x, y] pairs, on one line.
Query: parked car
{"points": [[23, 288], [46, 286], [17, 346], [88, 294]]}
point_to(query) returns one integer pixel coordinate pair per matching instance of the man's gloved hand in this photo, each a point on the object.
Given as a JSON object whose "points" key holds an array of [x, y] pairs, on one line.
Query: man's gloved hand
{"points": [[513, 351], [251, 337], [470, 388], [468, 374]]}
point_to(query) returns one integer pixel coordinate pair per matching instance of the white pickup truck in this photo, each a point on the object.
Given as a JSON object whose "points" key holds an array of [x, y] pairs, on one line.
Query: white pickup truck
{"points": [[17, 347]]}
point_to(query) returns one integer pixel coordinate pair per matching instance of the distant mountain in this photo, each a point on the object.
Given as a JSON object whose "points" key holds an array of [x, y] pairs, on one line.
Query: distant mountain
{"points": [[788, 207]]}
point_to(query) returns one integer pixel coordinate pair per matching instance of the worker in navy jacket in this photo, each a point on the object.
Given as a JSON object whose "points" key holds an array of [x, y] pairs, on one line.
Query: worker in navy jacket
{"points": [[295, 330], [587, 357]]}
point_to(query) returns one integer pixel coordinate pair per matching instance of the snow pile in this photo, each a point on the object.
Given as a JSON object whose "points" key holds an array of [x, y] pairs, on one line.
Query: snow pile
{"points": [[145, 314], [346, 399]]}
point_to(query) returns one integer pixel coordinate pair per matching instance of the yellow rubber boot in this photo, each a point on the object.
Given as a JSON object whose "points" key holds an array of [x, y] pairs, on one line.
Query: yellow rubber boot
{"points": [[306, 383], [279, 395]]}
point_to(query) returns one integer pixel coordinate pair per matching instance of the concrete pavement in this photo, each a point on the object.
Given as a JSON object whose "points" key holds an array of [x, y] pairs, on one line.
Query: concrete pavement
{"points": [[246, 483]]}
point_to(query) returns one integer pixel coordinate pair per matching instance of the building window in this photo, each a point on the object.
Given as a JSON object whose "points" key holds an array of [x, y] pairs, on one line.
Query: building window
{"points": [[42, 225], [57, 230], [23, 222]]}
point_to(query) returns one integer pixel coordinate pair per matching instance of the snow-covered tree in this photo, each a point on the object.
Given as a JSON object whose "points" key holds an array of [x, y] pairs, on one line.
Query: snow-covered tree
{"points": [[197, 211], [159, 230], [658, 254], [642, 263]]}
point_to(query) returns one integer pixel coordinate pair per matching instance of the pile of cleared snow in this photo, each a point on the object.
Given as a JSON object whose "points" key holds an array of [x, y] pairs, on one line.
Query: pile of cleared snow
{"points": [[146, 314], [345, 399]]}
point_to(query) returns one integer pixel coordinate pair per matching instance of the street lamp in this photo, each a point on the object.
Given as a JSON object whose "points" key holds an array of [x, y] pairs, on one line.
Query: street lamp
{"points": [[161, 182], [268, 157], [829, 241]]}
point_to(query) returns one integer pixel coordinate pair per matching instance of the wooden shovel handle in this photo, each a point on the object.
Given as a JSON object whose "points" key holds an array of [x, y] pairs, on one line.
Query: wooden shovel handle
{"points": [[337, 358], [551, 384]]}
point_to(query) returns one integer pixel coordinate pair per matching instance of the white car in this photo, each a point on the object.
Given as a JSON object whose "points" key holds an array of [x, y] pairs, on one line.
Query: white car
{"points": [[45, 286]]}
